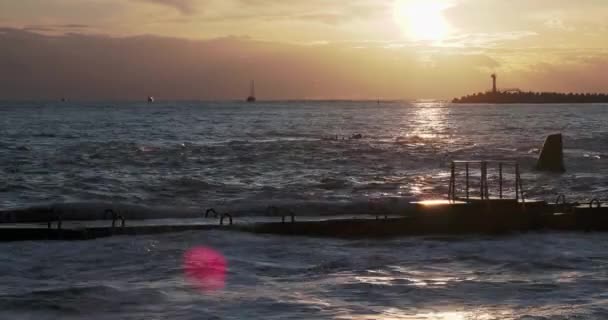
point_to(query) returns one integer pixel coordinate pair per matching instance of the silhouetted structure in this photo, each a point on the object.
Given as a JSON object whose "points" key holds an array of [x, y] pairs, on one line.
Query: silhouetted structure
{"points": [[518, 96], [251, 97], [552, 155]]}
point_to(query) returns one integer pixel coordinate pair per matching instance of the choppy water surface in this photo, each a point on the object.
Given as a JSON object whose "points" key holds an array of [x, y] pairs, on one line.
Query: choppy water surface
{"points": [[209, 154], [244, 157], [536, 276]]}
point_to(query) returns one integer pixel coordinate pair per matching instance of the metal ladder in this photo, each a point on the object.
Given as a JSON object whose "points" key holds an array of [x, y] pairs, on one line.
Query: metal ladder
{"points": [[484, 193]]}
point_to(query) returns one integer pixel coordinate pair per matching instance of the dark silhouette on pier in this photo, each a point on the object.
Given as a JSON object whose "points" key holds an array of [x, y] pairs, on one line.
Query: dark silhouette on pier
{"points": [[518, 96]]}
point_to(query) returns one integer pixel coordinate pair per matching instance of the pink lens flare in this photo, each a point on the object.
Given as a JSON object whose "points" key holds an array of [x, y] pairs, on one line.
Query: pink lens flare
{"points": [[205, 268]]}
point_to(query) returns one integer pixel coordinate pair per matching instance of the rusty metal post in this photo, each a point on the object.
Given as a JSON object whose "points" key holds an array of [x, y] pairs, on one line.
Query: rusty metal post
{"points": [[521, 191], [225, 215], [485, 189], [517, 182], [452, 191], [482, 180], [467, 178], [500, 180]]}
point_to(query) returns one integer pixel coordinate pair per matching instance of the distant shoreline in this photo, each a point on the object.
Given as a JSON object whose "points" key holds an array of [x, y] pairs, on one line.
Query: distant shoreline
{"points": [[471, 99], [518, 97]]}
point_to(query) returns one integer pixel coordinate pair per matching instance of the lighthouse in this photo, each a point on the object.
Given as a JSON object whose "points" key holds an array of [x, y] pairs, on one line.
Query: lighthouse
{"points": [[494, 83]]}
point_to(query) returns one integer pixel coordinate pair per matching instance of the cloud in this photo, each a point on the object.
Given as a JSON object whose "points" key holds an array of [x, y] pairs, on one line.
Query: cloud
{"points": [[486, 39], [57, 28], [476, 23], [329, 12], [186, 7], [97, 67], [81, 66]]}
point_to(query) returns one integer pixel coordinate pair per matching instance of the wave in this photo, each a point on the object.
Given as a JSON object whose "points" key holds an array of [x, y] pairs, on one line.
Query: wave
{"points": [[334, 183], [191, 184], [417, 139], [79, 299]]}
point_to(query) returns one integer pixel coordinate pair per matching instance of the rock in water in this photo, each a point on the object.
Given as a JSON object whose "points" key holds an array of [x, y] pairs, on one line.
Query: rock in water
{"points": [[552, 155]]}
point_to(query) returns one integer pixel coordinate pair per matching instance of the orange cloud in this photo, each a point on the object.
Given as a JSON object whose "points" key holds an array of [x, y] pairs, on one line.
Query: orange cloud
{"points": [[187, 7], [100, 67], [305, 49]]}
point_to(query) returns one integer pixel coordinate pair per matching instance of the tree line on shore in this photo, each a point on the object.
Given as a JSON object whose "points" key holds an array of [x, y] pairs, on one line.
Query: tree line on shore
{"points": [[532, 97]]}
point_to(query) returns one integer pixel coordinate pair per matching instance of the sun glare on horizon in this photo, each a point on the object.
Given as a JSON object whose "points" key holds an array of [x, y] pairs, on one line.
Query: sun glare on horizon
{"points": [[422, 19]]}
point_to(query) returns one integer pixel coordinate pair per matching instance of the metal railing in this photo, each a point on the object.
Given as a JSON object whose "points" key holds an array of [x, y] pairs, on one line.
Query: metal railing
{"points": [[115, 217], [484, 189], [276, 211], [215, 214], [226, 215], [54, 217], [596, 202]]}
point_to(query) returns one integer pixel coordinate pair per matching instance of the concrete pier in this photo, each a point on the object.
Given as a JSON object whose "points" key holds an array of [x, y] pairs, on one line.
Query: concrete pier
{"points": [[18, 232], [482, 217], [424, 218]]}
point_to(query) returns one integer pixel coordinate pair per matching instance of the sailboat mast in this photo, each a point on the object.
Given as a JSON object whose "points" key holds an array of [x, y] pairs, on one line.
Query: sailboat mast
{"points": [[251, 97]]}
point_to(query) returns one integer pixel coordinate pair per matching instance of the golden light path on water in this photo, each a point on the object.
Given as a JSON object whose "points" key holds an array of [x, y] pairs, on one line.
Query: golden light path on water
{"points": [[397, 314], [430, 121], [429, 125], [411, 277], [419, 279]]}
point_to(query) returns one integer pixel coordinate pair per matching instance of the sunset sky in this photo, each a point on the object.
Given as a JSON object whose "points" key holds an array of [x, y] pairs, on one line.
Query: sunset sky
{"points": [[315, 49]]}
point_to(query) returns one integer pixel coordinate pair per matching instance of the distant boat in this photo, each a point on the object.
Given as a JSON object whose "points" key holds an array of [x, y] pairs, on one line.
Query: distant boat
{"points": [[251, 97], [150, 99]]}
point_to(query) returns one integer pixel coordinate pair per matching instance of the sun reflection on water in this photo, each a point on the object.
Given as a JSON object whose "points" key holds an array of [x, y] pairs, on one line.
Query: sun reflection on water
{"points": [[435, 281], [430, 121], [397, 314]]}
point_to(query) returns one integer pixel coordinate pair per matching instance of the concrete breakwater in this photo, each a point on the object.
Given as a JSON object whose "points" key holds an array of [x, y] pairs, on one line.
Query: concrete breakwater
{"points": [[423, 218]]}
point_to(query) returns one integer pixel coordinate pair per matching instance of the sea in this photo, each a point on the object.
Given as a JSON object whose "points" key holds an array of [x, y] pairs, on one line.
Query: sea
{"points": [[318, 159]]}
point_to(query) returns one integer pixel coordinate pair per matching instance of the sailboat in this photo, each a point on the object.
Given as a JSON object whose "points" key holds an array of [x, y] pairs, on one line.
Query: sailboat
{"points": [[251, 97]]}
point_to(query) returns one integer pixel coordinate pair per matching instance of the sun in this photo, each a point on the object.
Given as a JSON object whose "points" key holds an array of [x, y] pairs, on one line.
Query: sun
{"points": [[422, 19]]}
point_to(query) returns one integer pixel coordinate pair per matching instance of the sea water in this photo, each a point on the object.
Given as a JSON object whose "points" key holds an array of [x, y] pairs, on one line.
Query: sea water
{"points": [[309, 157]]}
